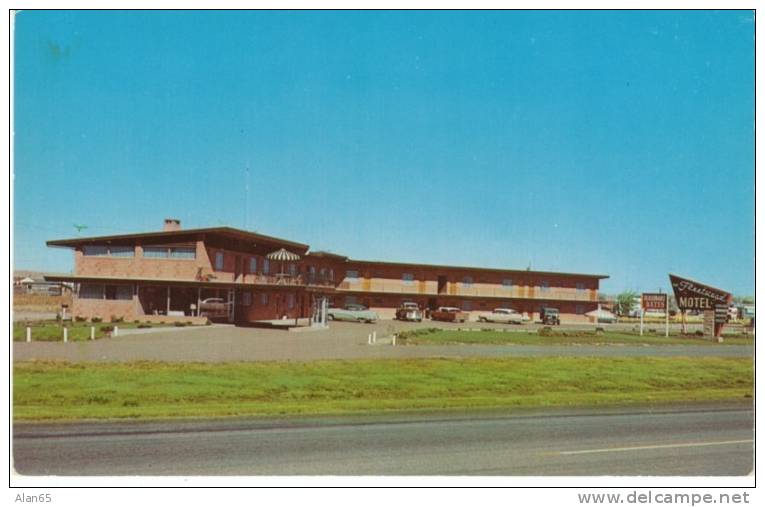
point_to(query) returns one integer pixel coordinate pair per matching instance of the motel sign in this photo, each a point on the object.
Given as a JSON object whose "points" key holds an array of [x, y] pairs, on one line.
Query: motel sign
{"points": [[692, 295]]}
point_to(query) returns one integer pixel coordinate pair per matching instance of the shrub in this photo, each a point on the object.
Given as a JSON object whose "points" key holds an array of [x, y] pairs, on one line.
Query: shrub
{"points": [[699, 332], [80, 318], [143, 326], [599, 330], [208, 322], [179, 324], [114, 318], [106, 329], [545, 331], [136, 321], [96, 319]]}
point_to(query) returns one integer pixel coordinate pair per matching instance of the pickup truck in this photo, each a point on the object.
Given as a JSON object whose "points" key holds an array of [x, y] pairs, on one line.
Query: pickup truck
{"points": [[450, 314], [409, 311]]}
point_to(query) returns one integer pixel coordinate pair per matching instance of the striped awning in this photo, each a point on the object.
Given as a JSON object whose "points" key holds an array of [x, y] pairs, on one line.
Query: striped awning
{"points": [[283, 255]]}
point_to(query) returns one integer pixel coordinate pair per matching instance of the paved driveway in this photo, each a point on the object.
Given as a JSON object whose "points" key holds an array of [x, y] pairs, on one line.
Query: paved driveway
{"points": [[340, 341]]}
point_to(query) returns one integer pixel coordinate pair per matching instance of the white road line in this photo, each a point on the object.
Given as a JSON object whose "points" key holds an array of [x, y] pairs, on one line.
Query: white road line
{"points": [[662, 446]]}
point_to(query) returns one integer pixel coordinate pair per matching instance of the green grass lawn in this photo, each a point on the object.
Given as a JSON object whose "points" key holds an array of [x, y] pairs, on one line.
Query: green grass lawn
{"points": [[78, 331], [64, 391], [432, 336]]}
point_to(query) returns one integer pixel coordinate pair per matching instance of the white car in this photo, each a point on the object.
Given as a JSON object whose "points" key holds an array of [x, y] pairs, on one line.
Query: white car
{"points": [[503, 315]]}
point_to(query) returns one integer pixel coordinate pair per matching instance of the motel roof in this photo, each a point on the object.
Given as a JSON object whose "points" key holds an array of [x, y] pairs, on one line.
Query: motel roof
{"points": [[224, 232], [475, 268]]}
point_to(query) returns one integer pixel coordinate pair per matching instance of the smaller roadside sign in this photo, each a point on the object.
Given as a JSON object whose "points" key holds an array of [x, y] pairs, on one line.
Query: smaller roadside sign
{"points": [[653, 301], [721, 314]]}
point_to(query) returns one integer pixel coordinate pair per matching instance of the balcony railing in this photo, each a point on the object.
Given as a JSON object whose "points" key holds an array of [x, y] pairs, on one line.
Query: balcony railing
{"points": [[270, 279], [430, 288]]}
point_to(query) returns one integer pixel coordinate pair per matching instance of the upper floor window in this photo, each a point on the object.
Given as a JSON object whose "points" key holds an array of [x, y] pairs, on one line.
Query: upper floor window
{"points": [[155, 252], [121, 251], [219, 261], [293, 269], [467, 281], [95, 250], [407, 278], [253, 264], [183, 253], [580, 286], [352, 275], [544, 285], [331, 274], [266, 266], [507, 283]]}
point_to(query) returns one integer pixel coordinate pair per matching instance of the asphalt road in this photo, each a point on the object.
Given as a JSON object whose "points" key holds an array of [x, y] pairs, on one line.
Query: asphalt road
{"points": [[684, 441]]}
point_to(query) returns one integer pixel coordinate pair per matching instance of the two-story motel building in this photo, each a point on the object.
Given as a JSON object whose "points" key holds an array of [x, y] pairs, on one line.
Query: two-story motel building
{"points": [[163, 276]]}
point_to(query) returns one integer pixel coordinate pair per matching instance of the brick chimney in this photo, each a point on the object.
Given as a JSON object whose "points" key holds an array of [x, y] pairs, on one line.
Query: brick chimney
{"points": [[172, 224]]}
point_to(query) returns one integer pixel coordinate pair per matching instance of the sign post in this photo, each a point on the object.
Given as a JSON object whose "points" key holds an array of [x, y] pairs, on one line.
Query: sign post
{"points": [[654, 301], [713, 302]]}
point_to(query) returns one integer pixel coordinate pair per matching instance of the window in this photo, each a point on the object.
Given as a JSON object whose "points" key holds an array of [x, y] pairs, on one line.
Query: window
{"points": [[183, 253], [253, 264], [331, 274], [351, 300], [219, 261], [507, 284], [580, 286], [544, 286], [266, 266], [580, 309], [264, 299], [290, 301], [246, 298], [408, 278], [155, 252], [91, 291], [120, 292], [293, 269], [467, 282], [95, 250], [352, 275], [467, 305], [122, 251]]}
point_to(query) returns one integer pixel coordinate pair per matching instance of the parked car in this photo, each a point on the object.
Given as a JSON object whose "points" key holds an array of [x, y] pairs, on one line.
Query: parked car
{"points": [[353, 313], [409, 311], [550, 316], [450, 314], [504, 315], [213, 307]]}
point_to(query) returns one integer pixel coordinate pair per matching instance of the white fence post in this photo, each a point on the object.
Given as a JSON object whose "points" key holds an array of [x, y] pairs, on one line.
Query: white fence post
{"points": [[66, 334], [369, 339], [394, 340], [29, 334], [92, 332], [374, 336], [116, 331]]}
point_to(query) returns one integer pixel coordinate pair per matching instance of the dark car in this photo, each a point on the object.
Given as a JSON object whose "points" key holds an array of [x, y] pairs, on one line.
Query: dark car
{"points": [[550, 316]]}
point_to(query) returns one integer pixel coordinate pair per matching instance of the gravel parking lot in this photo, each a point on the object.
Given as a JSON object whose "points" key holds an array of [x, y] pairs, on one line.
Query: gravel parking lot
{"points": [[342, 340]]}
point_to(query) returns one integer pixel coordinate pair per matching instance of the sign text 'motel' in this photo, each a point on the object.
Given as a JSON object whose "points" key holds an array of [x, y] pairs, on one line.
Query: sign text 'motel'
{"points": [[692, 295]]}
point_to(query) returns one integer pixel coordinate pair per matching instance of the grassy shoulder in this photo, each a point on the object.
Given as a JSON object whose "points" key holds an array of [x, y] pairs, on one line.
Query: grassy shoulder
{"points": [[51, 330], [434, 336], [63, 391]]}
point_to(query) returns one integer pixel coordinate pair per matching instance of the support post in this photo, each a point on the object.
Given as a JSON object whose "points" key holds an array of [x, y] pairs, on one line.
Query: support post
{"points": [[369, 339], [92, 332], [199, 299], [29, 334], [394, 340], [66, 334], [374, 336], [167, 310], [116, 331], [642, 312], [666, 319]]}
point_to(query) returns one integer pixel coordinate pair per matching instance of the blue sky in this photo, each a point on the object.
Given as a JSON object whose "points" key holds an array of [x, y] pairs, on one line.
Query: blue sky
{"points": [[619, 143]]}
